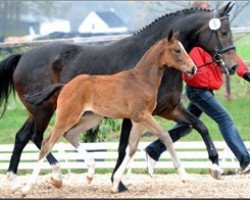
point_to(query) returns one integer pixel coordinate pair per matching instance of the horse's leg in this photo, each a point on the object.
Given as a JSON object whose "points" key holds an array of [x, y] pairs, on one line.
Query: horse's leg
{"points": [[64, 122], [165, 138], [41, 122], [123, 143], [183, 116], [134, 138], [47, 145], [22, 138], [86, 122]]}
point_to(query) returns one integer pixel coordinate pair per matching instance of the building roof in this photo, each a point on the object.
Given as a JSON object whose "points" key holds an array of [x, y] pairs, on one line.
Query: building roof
{"points": [[111, 19]]}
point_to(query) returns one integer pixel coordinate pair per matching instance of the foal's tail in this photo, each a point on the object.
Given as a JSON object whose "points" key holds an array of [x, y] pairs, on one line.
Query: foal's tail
{"points": [[7, 68], [38, 98]]}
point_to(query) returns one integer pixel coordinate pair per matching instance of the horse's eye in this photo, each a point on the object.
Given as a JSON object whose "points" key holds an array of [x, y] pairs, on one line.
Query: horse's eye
{"points": [[224, 33], [177, 51]]}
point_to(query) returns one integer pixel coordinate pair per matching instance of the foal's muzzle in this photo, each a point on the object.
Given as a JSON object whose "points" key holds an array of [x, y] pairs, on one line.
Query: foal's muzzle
{"points": [[192, 71]]}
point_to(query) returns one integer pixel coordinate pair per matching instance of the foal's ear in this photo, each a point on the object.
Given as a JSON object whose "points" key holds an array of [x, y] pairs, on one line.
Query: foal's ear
{"points": [[176, 35], [173, 36]]}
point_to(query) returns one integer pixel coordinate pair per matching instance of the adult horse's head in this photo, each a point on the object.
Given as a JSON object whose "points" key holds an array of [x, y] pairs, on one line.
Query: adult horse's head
{"points": [[216, 38]]}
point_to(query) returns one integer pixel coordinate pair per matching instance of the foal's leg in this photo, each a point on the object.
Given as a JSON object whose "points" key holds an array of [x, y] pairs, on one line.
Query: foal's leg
{"points": [[165, 138], [63, 124], [41, 123], [134, 138], [86, 122], [46, 148]]}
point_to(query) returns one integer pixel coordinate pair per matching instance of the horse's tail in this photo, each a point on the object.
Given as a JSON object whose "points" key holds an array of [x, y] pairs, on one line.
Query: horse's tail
{"points": [[7, 68], [38, 98]]}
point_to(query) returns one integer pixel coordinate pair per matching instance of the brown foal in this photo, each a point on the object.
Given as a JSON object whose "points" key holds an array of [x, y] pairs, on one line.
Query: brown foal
{"points": [[85, 100]]}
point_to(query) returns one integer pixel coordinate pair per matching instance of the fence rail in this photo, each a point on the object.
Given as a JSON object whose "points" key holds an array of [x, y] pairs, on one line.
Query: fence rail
{"points": [[192, 154], [77, 40]]}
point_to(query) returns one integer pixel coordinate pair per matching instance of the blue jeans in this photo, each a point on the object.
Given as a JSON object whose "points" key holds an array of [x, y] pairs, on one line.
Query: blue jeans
{"points": [[202, 100]]}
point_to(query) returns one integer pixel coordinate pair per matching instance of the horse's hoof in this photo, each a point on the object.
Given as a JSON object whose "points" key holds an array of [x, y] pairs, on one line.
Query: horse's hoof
{"points": [[114, 190], [122, 187], [216, 172], [25, 190], [16, 186], [89, 179], [23, 195], [183, 174], [56, 183], [13, 182]]}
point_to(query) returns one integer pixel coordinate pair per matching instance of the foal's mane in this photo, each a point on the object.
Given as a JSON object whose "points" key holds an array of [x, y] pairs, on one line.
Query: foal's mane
{"points": [[177, 13]]}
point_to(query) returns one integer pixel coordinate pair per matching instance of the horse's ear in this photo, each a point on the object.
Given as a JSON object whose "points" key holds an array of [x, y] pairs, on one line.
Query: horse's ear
{"points": [[227, 8], [176, 35], [170, 35]]}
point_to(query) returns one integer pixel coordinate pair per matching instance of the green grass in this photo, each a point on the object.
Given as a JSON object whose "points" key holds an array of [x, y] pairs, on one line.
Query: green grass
{"points": [[242, 42]]}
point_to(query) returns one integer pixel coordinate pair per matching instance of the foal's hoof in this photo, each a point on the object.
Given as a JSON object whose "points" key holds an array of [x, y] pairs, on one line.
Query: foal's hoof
{"points": [[25, 190], [56, 183], [114, 190], [89, 179], [216, 172], [23, 195]]}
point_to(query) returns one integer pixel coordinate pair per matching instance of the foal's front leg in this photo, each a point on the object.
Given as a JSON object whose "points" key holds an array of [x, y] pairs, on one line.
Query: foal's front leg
{"points": [[134, 138], [153, 126]]}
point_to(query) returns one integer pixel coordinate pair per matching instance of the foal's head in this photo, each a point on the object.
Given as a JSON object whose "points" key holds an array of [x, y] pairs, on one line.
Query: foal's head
{"points": [[174, 55]]}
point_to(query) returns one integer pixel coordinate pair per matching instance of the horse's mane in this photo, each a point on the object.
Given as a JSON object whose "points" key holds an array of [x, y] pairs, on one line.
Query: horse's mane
{"points": [[170, 14]]}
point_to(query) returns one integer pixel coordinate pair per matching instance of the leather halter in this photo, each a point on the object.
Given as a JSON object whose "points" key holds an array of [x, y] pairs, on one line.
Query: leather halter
{"points": [[218, 50]]}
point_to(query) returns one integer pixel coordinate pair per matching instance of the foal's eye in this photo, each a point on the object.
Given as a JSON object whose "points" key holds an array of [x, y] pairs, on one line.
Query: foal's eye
{"points": [[177, 51]]}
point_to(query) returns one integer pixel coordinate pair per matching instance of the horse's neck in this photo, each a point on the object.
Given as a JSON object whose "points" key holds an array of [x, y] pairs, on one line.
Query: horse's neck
{"points": [[148, 70], [178, 22]]}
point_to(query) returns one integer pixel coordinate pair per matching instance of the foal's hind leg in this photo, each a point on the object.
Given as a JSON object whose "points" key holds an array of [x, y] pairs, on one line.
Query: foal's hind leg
{"points": [[63, 124], [87, 121], [134, 138], [41, 123], [165, 138]]}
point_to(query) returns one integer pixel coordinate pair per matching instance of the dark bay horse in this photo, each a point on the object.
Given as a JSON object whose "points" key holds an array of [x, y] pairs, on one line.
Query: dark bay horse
{"points": [[59, 63], [85, 100]]}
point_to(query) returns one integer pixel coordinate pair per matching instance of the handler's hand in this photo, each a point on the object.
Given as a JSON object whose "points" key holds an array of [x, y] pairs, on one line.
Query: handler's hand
{"points": [[247, 76]]}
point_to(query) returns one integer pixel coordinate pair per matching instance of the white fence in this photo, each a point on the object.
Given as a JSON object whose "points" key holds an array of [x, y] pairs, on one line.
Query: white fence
{"points": [[192, 154]]}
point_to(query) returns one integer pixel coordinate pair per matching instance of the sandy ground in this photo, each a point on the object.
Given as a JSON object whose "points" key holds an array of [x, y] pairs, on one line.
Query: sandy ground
{"points": [[160, 186]]}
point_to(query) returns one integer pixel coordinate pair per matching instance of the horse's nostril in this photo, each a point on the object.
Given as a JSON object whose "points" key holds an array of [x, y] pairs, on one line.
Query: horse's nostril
{"points": [[234, 68], [193, 70]]}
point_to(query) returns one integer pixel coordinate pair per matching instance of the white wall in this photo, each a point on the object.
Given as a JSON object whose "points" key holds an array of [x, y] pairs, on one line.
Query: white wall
{"points": [[94, 24], [54, 25]]}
